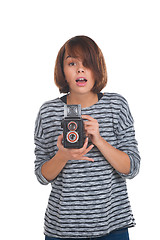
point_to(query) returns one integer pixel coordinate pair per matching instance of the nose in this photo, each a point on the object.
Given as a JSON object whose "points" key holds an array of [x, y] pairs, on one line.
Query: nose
{"points": [[80, 68]]}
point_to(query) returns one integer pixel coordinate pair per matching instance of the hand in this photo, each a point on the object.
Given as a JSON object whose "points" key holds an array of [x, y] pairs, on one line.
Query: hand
{"points": [[92, 129], [74, 154]]}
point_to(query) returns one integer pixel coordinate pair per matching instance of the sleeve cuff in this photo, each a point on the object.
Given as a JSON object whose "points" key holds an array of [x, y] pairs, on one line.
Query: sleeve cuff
{"points": [[40, 177], [134, 169]]}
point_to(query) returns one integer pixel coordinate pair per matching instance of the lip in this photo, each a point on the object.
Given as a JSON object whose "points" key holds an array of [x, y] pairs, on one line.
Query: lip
{"points": [[81, 83]]}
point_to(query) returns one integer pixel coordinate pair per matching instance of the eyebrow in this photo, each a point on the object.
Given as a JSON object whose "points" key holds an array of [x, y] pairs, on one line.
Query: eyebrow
{"points": [[68, 57]]}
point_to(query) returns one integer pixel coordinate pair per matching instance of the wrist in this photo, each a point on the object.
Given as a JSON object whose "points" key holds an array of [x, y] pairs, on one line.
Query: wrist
{"points": [[62, 156], [99, 141]]}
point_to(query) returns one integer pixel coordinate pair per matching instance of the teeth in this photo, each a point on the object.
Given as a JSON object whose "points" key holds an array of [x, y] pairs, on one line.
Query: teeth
{"points": [[81, 79]]}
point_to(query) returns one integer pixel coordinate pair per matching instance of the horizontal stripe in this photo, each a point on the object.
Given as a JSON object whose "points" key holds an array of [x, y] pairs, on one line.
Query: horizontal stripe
{"points": [[88, 199]]}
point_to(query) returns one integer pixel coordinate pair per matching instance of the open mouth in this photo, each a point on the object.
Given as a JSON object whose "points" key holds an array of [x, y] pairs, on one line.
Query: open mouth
{"points": [[81, 80]]}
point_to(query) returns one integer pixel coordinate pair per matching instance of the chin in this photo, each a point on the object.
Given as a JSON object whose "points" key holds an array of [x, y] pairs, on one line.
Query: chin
{"points": [[84, 91]]}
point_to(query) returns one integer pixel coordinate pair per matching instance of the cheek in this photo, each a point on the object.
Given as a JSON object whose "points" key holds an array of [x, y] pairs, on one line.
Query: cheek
{"points": [[92, 77], [67, 74], [92, 82]]}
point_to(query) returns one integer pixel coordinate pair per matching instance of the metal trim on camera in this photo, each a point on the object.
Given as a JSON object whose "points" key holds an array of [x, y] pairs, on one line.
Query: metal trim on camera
{"points": [[72, 126], [72, 110], [72, 137]]}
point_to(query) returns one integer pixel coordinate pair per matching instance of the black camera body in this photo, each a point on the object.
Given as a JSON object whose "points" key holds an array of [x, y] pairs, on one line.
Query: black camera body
{"points": [[73, 129]]}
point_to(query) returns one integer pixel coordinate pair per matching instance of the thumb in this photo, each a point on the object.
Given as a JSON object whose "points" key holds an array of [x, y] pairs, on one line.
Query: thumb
{"points": [[59, 140]]}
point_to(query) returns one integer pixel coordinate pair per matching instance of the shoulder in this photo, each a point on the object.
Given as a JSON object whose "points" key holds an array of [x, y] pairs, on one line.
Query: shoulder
{"points": [[121, 107], [117, 104], [115, 98], [54, 105]]}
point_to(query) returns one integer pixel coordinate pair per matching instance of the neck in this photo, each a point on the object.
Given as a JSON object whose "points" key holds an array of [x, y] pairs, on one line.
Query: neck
{"points": [[86, 100]]}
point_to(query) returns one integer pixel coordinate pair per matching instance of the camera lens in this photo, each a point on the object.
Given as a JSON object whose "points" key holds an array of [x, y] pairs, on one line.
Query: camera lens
{"points": [[72, 137], [72, 126]]}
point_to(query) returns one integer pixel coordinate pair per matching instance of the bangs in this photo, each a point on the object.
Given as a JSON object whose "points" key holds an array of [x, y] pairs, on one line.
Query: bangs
{"points": [[80, 49]]}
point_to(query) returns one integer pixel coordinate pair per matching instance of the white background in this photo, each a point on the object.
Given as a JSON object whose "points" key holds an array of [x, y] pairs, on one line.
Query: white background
{"points": [[32, 33]]}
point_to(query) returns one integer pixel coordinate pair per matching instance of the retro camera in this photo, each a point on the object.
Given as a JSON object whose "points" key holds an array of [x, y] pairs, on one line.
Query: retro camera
{"points": [[73, 129]]}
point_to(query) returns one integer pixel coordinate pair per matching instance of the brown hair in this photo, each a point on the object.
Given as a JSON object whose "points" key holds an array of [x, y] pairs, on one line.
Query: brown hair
{"points": [[86, 49]]}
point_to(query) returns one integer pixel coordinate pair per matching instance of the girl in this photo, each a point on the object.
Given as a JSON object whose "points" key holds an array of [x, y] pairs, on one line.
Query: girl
{"points": [[89, 195]]}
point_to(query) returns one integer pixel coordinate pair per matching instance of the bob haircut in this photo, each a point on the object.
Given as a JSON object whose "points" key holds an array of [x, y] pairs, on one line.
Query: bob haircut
{"points": [[86, 49]]}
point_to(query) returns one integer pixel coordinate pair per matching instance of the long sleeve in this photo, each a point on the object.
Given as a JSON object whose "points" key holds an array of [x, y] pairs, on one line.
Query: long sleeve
{"points": [[126, 138], [88, 190], [41, 152]]}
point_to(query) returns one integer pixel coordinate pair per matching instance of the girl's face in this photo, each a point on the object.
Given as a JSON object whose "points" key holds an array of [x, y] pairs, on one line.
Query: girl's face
{"points": [[79, 78]]}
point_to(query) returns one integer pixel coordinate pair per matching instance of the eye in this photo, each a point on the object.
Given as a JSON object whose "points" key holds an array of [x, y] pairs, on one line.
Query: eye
{"points": [[72, 64]]}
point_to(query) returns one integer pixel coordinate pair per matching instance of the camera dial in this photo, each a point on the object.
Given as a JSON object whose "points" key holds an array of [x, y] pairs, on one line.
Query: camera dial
{"points": [[72, 137]]}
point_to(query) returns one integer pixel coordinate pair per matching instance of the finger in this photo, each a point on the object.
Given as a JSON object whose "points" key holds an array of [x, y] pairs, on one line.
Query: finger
{"points": [[80, 150], [88, 159], [89, 123], [90, 129], [87, 117], [85, 145], [86, 134], [88, 149], [60, 137], [59, 140]]}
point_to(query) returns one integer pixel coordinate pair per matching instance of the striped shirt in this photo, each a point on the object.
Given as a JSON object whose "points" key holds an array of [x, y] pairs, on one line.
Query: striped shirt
{"points": [[88, 199]]}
